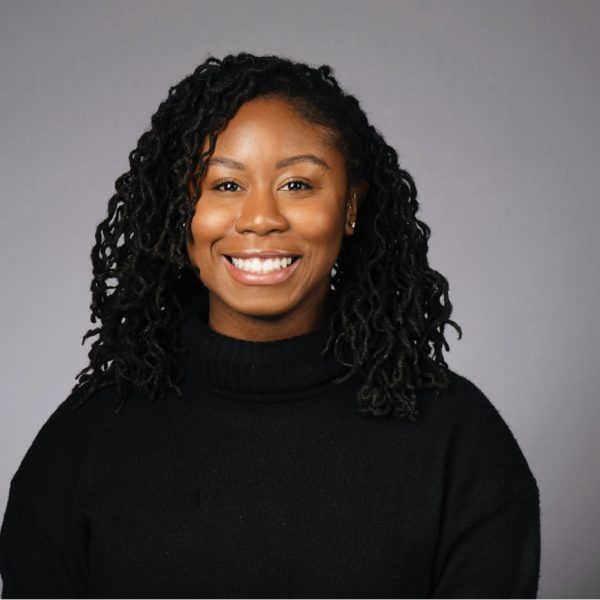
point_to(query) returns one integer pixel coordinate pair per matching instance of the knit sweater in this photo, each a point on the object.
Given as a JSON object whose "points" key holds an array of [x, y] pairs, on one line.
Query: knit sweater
{"points": [[264, 481]]}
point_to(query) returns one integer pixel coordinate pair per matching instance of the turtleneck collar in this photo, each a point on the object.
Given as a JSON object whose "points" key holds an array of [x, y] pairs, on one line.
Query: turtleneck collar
{"points": [[283, 366]]}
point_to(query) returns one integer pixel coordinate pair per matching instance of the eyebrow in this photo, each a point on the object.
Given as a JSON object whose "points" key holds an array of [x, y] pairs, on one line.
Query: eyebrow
{"points": [[286, 162]]}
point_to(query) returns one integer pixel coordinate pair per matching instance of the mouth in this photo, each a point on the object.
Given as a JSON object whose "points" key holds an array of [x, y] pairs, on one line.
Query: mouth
{"points": [[266, 270], [262, 265]]}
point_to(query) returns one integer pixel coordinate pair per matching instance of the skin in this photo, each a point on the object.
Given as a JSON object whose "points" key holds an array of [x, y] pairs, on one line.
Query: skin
{"points": [[303, 208]]}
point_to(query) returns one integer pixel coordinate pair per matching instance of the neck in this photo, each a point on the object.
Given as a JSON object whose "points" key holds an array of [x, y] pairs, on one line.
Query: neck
{"points": [[268, 328], [285, 367]]}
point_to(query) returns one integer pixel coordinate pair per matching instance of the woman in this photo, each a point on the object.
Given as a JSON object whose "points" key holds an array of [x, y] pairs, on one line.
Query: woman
{"points": [[267, 411]]}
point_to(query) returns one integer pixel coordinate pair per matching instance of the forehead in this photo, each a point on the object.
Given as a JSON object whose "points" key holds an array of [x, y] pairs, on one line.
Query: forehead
{"points": [[273, 124]]}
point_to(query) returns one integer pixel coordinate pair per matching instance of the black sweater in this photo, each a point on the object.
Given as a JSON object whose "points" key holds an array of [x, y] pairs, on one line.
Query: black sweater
{"points": [[264, 481]]}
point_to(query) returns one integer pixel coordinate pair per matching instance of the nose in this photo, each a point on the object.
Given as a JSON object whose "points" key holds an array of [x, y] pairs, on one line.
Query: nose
{"points": [[260, 213]]}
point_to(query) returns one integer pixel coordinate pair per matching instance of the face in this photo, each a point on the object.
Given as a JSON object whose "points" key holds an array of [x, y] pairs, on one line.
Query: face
{"points": [[274, 206]]}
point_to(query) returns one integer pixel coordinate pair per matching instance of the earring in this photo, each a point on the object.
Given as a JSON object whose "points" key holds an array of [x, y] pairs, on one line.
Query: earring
{"points": [[353, 223]]}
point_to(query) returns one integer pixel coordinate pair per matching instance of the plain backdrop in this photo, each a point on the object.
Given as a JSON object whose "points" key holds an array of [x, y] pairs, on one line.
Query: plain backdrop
{"points": [[493, 106]]}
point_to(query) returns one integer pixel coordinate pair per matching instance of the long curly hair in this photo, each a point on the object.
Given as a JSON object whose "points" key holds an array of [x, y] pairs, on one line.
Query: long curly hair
{"points": [[391, 308]]}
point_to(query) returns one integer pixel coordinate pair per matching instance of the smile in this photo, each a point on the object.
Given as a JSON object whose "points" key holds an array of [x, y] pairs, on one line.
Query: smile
{"points": [[262, 265], [271, 270]]}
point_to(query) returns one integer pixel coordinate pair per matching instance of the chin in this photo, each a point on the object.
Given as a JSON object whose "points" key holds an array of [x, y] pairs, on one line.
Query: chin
{"points": [[262, 310]]}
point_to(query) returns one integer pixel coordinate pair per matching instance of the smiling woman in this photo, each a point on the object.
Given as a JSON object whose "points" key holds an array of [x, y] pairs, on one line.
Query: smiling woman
{"points": [[267, 411]]}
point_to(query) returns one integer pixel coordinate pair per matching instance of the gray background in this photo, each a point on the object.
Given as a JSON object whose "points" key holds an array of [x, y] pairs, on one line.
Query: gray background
{"points": [[494, 107]]}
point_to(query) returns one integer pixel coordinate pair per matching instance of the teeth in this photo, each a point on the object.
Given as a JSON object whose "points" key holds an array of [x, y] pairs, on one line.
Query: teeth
{"points": [[260, 265]]}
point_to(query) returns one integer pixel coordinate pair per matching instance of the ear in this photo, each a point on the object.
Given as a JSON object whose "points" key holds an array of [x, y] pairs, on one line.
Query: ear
{"points": [[357, 194]]}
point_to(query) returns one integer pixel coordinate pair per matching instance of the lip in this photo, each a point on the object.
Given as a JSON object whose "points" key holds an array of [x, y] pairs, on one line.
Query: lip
{"points": [[256, 253], [272, 278]]}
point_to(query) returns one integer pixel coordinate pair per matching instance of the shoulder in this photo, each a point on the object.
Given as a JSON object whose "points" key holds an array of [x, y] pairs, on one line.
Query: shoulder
{"points": [[58, 449], [461, 405], [462, 397], [477, 439]]}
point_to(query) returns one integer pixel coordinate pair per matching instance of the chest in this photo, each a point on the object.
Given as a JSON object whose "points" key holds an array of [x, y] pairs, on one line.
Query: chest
{"points": [[284, 516]]}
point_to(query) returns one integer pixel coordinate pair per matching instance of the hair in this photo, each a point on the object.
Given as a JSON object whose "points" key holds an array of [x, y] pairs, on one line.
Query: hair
{"points": [[391, 308]]}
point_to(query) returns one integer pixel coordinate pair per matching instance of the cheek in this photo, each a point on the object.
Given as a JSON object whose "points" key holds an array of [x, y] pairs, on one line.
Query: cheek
{"points": [[323, 230], [208, 226]]}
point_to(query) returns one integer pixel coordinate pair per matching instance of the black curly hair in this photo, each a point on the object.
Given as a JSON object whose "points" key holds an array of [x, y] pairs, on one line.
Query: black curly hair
{"points": [[391, 308]]}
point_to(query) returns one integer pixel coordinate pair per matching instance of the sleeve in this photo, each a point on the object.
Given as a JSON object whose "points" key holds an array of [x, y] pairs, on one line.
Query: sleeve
{"points": [[42, 552], [489, 543], [33, 563]]}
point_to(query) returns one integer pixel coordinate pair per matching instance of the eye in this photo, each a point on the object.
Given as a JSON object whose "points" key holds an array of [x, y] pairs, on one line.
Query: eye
{"points": [[296, 185], [226, 186]]}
